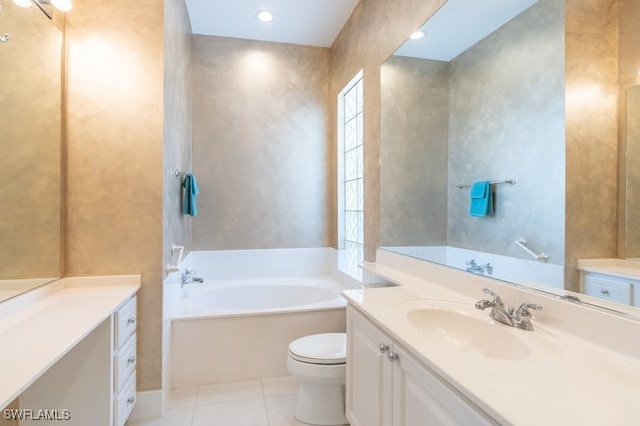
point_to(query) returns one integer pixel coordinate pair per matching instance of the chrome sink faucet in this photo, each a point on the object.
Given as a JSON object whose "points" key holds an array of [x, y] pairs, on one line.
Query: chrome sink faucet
{"points": [[519, 318]]}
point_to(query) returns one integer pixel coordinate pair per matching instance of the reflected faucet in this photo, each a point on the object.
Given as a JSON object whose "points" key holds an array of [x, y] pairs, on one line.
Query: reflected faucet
{"points": [[519, 318], [472, 266]]}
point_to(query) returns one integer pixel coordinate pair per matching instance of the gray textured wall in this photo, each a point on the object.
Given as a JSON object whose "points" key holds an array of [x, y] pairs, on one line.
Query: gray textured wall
{"points": [[176, 228], [507, 121], [261, 148], [414, 116]]}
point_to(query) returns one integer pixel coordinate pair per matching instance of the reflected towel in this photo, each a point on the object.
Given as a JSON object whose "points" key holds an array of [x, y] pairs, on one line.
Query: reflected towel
{"points": [[481, 199], [189, 205]]}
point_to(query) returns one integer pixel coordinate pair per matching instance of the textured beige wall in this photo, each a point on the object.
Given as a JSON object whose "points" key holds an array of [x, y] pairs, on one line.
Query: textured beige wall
{"points": [[632, 125], [629, 171], [591, 132], [414, 117], [114, 160], [30, 119], [373, 32], [260, 144], [178, 114], [507, 121]]}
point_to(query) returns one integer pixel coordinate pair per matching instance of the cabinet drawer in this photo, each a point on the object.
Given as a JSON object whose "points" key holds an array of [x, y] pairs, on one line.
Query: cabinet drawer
{"points": [[124, 402], [125, 322], [609, 289], [124, 363]]}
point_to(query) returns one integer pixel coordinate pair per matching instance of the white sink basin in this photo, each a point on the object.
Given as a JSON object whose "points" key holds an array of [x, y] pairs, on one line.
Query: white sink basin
{"points": [[464, 331]]}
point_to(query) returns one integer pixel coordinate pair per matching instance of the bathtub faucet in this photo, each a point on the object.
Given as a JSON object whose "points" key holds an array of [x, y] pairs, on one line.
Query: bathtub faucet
{"points": [[187, 278]]}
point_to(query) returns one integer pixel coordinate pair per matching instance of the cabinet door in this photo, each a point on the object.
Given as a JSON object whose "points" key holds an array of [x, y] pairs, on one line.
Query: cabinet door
{"points": [[368, 379], [423, 399]]}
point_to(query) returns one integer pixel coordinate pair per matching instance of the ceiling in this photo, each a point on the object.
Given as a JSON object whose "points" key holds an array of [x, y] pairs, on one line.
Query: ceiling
{"points": [[306, 22], [459, 24]]}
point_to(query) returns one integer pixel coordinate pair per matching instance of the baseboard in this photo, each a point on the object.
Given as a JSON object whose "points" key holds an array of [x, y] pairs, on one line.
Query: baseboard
{"points": [[148, 405]]}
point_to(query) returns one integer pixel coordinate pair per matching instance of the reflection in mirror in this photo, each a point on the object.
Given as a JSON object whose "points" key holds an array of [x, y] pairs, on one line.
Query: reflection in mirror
{"points": [[632, 228], [484, 109], [30, 101]]}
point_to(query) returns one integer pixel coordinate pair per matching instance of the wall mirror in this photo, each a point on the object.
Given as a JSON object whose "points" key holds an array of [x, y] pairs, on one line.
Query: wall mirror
{"points": [[30, 133], [456, 110]]}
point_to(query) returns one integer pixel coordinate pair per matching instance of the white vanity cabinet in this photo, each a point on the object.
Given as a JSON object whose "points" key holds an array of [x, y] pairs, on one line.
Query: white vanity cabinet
{"points": [[386, 386], [615, 280], [69, 353], [611, 288], [124, 362]]}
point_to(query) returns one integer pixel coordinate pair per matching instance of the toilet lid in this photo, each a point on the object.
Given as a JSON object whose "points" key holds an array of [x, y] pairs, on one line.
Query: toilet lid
{"points": [[326, 348]]}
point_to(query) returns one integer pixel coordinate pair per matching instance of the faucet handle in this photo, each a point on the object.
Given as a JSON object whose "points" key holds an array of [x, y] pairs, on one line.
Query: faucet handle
{"points": [[524, 308], [523, 312], [493, 294]]}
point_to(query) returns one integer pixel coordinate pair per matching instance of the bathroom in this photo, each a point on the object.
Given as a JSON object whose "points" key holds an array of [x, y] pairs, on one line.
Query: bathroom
{"points": [[128, 127]]}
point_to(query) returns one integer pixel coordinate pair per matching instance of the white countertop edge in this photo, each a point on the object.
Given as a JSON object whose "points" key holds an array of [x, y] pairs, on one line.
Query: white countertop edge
{"points": [[48, 325]]}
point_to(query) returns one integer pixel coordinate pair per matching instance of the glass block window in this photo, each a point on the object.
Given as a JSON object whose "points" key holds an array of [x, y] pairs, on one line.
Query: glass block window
{"points": [[352, 175]]}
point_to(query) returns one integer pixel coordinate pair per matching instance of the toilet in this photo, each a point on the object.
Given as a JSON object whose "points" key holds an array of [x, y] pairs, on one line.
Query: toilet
{"points": [[318, 362]]}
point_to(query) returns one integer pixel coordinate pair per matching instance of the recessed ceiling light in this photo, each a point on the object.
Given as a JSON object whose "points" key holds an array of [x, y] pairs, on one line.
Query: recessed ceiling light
{"points": [[264, 16], [417, 35]]}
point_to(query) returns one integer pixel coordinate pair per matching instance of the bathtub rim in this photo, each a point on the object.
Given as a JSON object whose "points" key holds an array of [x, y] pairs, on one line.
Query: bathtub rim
{"points": [[183, 313]]}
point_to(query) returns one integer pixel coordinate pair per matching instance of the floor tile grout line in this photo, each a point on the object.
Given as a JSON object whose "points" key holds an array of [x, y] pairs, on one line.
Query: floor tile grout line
{"points": [[264, 403]]}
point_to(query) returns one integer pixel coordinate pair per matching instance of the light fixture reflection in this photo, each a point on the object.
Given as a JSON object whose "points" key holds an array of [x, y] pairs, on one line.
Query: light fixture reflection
{"points": [[264, 16], [62, 5], [23, 3], [417, 35]]}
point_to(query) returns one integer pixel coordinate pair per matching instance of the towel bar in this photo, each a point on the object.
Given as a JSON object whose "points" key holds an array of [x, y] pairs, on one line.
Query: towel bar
{"points": [[511, 181]]}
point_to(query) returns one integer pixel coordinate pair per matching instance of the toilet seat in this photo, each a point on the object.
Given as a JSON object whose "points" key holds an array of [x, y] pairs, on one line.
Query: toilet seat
{"points": [[325, 349]]}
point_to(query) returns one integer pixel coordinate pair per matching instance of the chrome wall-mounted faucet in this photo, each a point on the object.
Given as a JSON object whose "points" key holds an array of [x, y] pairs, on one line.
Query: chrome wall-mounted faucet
{"points": [[187, 278], [519, 318]]}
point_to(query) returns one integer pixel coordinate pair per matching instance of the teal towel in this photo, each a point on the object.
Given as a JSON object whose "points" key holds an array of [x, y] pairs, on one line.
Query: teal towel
{"points": [[481, 199], [189, 205]]}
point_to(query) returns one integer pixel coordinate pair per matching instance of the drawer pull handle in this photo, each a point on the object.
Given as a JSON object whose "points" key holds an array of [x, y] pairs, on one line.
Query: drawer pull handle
{"points": [[392, 356], [604, 291], [384, 348], [131, 360], [131, 320], [131, 399]]}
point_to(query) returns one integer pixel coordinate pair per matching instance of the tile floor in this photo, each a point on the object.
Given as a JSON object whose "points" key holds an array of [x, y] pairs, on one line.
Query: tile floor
{"points": [[265, 402]]}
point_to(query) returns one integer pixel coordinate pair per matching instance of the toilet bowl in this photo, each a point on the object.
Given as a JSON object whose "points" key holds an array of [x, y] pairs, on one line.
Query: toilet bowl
{"points": [[318, 362]]}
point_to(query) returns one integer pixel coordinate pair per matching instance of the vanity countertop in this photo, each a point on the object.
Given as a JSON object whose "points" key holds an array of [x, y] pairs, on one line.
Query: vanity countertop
{"points": [[563, 380], [34, 335], [617, 267]]}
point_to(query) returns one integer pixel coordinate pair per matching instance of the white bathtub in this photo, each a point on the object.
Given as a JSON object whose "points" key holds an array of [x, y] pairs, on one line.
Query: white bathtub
{"points": [[231, 330], [259, 296]]}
